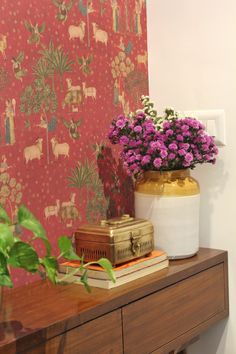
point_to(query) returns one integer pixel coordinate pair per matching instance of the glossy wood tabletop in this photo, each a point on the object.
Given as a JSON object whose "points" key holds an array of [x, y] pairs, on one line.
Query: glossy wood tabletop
{"points": [[40, 311]]}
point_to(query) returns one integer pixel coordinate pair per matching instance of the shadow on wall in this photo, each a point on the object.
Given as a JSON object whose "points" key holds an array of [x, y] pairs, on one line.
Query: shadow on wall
{"points": [[213, 341], [118, 187], [212, 180]]}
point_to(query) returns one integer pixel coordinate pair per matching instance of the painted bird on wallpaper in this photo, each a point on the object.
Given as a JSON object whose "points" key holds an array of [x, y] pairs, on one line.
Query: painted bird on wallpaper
{"points": [[84, 63], [35, 30], [19, 72], [85, 9], [63, 9], [127, 49], [72, 127]]}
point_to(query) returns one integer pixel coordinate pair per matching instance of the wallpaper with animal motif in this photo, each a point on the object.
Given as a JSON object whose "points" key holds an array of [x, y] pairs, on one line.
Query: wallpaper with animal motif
{"points": [[66, 69]]}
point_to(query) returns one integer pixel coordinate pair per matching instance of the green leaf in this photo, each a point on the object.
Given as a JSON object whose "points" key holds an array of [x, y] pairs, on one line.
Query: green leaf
{"points": [[66, 248], [5, 280], [24, 256], [51, 267], [84, 280], [106, 265], [29, 221], [6, 238], [4, 216], [3, 264]]}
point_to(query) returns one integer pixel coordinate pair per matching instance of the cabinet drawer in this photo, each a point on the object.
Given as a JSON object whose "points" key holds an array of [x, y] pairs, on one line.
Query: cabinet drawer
{"points": [[152, 322], [100, 336]]}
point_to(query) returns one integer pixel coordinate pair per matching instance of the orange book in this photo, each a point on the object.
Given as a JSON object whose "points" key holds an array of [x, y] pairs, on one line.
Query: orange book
{"points": [[96, 272]]}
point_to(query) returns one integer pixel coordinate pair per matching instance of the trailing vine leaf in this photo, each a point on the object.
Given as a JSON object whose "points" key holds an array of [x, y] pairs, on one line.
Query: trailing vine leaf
{"points": [[5, 279], [19, 254], [106, 265], [84, 280], [66, 248], [6, 238], [51, 266], [4, 216], [22, 255], [28, 221]]}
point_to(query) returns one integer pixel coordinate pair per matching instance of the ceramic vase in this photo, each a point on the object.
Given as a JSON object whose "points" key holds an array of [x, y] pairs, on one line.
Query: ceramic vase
{"points": [[171, 201]]}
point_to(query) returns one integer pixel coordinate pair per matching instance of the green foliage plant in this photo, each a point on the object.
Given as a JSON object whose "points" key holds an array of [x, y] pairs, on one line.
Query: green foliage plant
{"points": [[16, 253]]}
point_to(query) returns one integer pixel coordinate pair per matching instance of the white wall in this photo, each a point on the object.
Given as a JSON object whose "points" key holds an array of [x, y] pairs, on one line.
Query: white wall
{"points": [[192, 65]]}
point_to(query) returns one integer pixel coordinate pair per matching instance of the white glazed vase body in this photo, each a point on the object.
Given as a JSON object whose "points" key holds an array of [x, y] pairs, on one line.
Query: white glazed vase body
{"points": [[171, 201]]}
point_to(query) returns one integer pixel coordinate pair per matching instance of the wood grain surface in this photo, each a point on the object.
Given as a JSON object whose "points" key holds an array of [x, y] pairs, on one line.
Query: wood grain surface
{"points": [[161, 317], [40, 311]]}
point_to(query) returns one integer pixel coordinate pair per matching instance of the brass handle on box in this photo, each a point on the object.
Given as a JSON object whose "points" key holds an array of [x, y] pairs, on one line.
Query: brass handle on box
{"points": [[117, 221], [135, 244]]}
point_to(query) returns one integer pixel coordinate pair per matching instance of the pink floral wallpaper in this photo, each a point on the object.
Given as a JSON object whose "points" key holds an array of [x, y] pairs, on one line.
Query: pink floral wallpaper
{"points": [[66, 69]]}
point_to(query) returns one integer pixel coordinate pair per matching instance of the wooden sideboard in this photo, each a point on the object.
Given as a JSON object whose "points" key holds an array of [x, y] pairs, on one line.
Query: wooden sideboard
{"points": [[156, 314]]}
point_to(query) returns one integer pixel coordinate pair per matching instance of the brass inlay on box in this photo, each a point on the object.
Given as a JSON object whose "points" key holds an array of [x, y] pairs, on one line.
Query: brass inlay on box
{"points": [[119, 239]]}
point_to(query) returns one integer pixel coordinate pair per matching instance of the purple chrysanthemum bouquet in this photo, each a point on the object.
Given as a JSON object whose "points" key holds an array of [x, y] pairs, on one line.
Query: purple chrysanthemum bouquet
{"points": [[161, 143]]}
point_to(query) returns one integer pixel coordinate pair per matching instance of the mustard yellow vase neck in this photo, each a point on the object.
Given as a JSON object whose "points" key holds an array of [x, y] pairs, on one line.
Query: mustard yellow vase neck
{"points": [[168, 183]]}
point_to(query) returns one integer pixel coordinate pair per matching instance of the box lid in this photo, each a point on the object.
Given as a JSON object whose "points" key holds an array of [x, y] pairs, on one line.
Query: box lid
{"points": [[114, 230]]}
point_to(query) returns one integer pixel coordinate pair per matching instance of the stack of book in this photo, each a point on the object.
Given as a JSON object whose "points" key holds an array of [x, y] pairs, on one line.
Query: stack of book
{"points": [[124, 273]]}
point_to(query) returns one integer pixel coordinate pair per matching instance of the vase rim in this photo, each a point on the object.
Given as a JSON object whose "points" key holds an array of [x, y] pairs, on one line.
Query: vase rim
{"points": [[181, 172]]}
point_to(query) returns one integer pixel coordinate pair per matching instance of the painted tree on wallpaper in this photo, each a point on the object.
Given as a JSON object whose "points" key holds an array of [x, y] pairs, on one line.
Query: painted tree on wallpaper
{"points": [[66, 69], [40, 97], [86, 176]]}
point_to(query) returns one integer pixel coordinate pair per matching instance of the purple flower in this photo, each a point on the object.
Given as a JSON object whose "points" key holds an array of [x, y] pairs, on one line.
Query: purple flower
{"points": [[184, 146], [131, 159], [169, 132], [180, 137], [138, 129], [124, 140], [205, 147], [188, 157], [157, 162], [155, 145], [171, 156], [141, 115], [181, 152], [145, 160], [181, 143], [194, 123], [185, 127], [166, 125], [163, 153], [173, 146], [120, 123]]}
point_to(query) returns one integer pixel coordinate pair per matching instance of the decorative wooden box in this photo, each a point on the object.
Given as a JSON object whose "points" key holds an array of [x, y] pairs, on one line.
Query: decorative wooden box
{"points": [[119, 239]]}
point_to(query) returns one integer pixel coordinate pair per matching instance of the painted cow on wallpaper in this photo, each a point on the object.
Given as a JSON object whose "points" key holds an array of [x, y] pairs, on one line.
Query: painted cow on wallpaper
{"points": [[77, 31], [99, 35], [142, 58], [52, 210], [59, 148], [34, 151], [89, 91]]}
